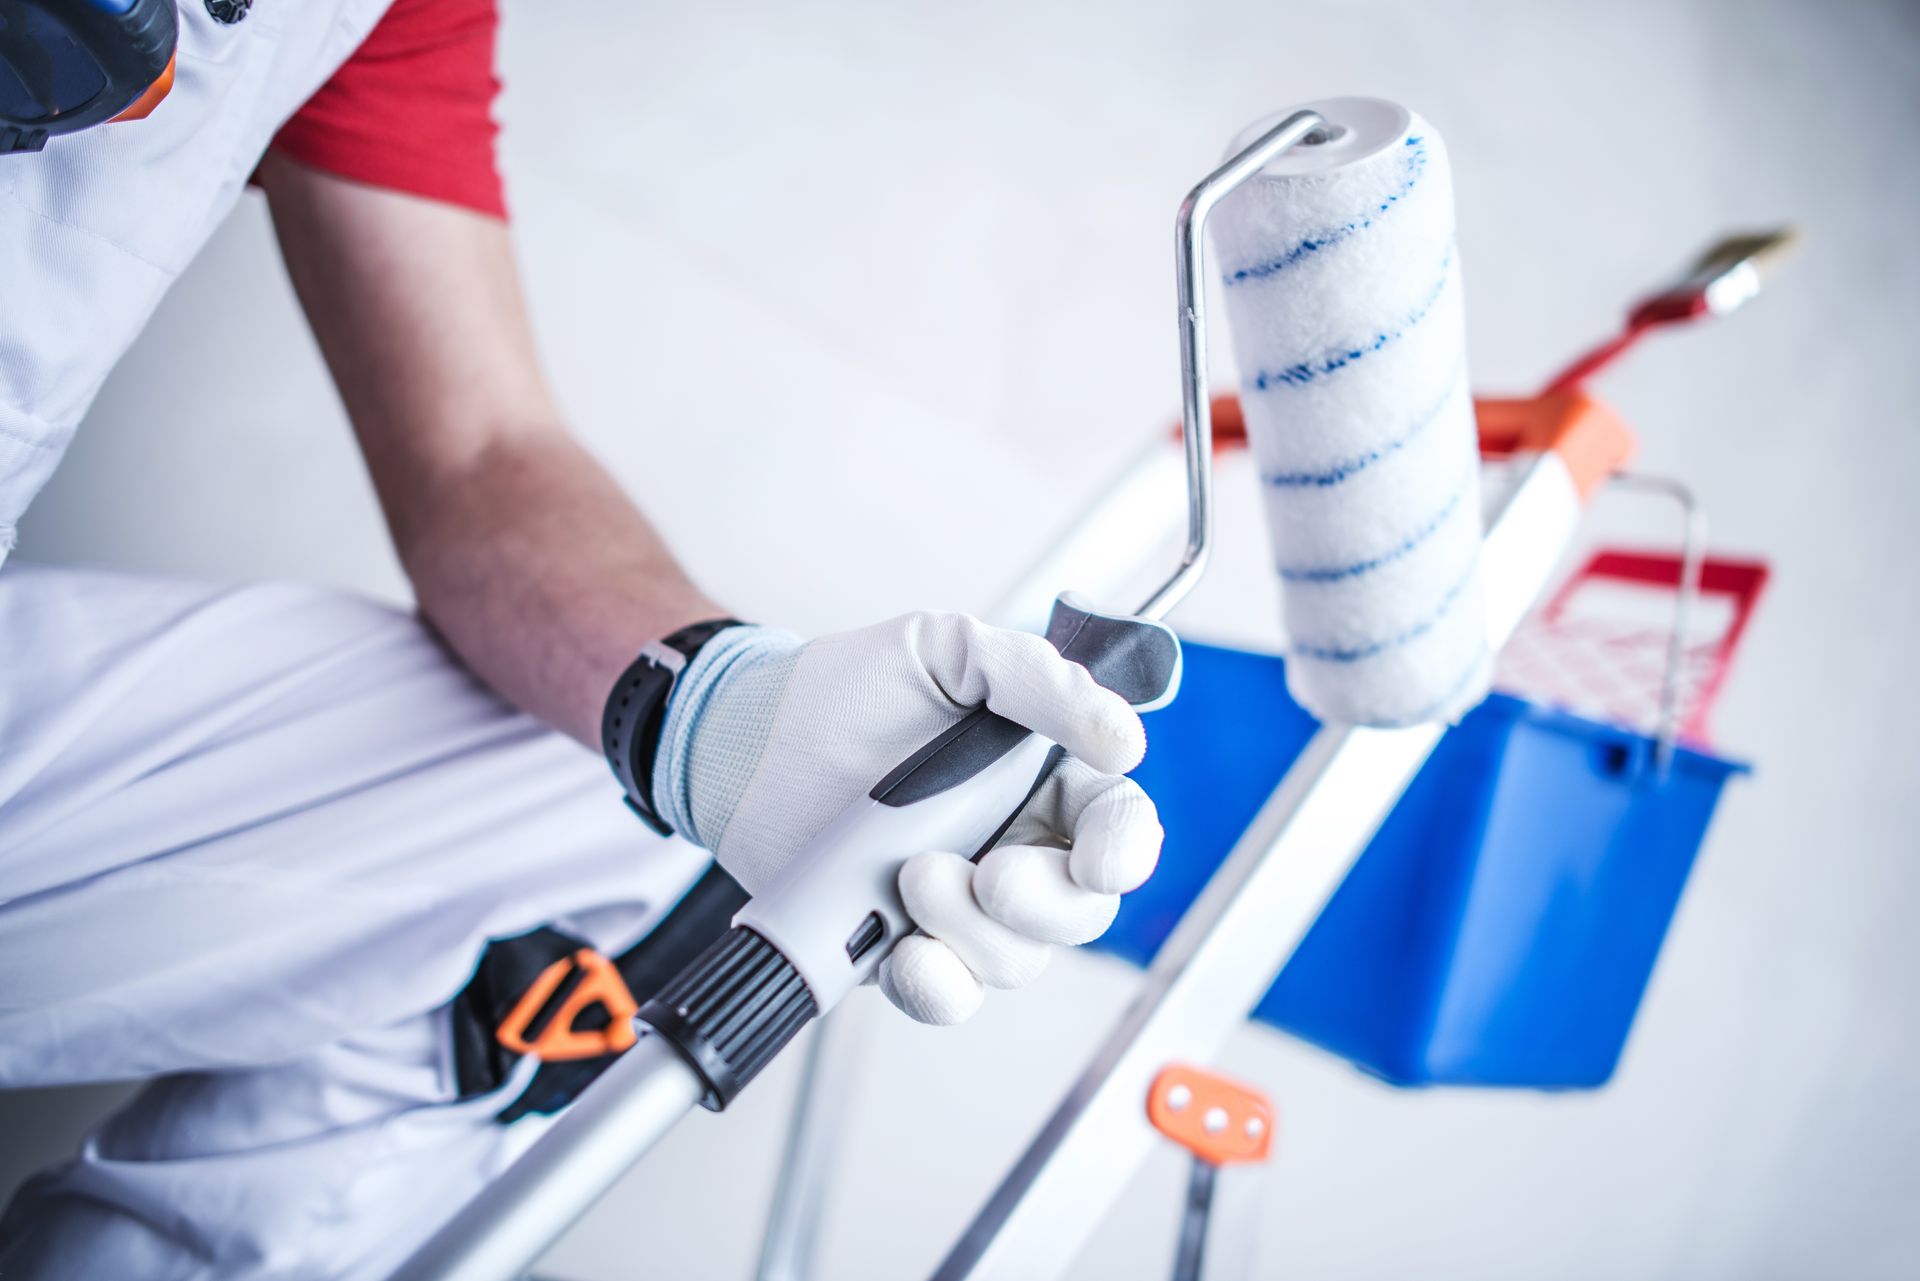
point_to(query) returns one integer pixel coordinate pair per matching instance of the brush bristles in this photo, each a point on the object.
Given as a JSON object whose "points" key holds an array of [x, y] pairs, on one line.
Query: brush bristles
{"points": [[1758, 249]]}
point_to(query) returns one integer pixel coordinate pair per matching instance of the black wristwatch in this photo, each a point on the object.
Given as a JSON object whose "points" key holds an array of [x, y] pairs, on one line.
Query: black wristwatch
{"points": [[637, 710]]}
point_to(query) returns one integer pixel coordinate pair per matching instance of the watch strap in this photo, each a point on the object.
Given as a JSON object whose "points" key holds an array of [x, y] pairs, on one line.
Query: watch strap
{"points": [[637, 707]]}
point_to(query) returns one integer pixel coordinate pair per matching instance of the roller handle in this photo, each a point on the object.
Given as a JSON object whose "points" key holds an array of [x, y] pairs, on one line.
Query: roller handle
{"points": [[1136, 659], [824, 927]]}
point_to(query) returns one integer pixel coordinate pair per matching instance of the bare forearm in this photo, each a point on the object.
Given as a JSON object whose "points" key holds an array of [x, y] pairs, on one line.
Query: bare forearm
{"points": [[540, 574], [525, 555]]}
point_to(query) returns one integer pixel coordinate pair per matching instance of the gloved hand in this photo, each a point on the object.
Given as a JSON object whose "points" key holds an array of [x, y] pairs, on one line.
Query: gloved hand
{"points": [[767, 739]]}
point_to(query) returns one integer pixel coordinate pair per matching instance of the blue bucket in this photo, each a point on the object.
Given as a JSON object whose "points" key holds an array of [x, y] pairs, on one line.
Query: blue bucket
{"points": [[1501, 926]]}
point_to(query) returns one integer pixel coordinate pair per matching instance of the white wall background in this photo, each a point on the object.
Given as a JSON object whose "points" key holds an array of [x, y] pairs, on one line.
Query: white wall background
{"points": [[862, 299]]}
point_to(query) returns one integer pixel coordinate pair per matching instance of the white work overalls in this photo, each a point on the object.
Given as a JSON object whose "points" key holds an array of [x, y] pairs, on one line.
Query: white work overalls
{"points": [[252, 839]]}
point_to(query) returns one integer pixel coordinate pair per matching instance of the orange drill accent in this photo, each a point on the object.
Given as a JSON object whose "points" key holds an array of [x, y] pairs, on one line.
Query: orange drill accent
{"points": [[1218, 1120], [142, 106], [559, 1041], [1590, 438]]}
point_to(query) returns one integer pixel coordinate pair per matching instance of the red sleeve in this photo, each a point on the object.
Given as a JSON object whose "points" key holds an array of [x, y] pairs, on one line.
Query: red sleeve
{"points": [[412, 109]]}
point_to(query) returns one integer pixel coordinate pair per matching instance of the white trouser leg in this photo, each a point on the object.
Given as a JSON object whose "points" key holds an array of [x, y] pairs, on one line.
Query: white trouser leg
{"points": [[330, 1167], [258, 837]]}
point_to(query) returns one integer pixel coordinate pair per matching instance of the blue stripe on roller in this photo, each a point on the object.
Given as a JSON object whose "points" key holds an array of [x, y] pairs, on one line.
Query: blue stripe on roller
{"points": [[1333, 654], [1307, 371], [1339, 573], [1416, 165], [1352, 466]]}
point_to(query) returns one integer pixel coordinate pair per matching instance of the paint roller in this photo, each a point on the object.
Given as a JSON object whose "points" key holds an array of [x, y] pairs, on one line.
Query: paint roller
{"points": [[1341, 280], [1342, 287]]}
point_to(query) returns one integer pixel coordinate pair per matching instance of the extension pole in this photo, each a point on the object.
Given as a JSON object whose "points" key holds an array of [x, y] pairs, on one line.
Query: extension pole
{"points": [[609, 1127]]}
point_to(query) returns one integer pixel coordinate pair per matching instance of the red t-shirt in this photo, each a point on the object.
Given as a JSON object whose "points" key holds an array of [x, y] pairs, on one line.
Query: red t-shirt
{"points": [[412, 109]]}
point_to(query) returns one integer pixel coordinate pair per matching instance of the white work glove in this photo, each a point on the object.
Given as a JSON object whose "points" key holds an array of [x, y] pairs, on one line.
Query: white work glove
{"points": [[767, 739]]}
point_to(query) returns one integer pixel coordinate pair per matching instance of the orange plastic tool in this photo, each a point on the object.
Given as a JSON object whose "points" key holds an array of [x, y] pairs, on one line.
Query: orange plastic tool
{"points": [[1218, 1120]]}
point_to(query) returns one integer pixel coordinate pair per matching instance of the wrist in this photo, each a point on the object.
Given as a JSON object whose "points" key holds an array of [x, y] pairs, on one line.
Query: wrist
{"points": [[617, 630]]}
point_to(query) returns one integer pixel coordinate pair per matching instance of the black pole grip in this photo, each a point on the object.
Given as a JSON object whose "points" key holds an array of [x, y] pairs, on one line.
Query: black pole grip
{"points": [[730, 1011]]}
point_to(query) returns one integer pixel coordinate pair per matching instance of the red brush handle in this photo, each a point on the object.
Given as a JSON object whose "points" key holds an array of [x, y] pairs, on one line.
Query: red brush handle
{"points": [[1655, 312]]}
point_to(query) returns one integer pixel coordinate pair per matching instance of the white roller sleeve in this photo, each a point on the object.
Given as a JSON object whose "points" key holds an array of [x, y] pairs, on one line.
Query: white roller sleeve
{"points": [[1342, 286]]}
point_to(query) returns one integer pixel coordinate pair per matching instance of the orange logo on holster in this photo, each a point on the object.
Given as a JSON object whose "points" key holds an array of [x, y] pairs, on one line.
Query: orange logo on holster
{"points": [[558, 1040]]}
